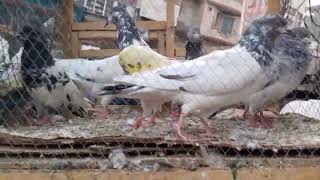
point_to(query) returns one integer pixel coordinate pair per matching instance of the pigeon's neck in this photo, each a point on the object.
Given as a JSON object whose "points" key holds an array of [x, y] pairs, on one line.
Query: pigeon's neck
{"points": [[36, 56], [128, 35], [259, 44]]}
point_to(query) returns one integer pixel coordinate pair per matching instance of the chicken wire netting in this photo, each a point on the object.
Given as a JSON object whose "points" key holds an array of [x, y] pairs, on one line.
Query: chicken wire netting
{"points": [[96, 142]]}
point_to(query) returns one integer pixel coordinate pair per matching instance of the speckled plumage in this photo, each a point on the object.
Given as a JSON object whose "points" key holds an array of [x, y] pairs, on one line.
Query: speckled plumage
{"points": [[193, 44], [127, 32], [46, 81]]}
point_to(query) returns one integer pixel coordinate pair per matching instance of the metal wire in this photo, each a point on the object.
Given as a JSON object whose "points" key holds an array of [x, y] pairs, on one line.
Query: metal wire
{"points": [[96, 143]]}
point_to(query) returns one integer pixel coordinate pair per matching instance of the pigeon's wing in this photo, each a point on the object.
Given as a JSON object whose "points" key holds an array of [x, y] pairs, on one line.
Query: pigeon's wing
{"points": [[92, 71], [216, 73]]}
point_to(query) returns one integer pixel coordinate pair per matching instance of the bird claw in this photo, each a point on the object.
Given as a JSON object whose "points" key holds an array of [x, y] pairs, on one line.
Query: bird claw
{"points": [[265, 122], [137, 123], [181, 133], [206, 127], [175, 115], [150, 123]]}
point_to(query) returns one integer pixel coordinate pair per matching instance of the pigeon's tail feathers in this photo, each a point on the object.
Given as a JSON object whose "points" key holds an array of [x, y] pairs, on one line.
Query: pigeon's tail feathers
{"points": [[81, 112], [119, 89]]}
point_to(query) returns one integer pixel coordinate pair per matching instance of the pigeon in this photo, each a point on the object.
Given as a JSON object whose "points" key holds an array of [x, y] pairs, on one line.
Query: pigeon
{"points": [[93, 77], [267, 63], [127, 32], [45, 80], [193, 45], [136, 55]]}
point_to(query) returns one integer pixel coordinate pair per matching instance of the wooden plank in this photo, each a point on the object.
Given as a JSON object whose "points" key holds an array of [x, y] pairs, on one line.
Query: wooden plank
{"points": [[181, 52], [100, 25], [274, 6], [170, 29], [75, 44], [242, 19], [161, 43], [103, 53], [227, 6], [67, 28], [84, 35], [303, 173]]}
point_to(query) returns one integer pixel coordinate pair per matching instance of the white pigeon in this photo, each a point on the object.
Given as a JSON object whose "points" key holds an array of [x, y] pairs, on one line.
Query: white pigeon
{"points": [[267, 63], [91, 76]]}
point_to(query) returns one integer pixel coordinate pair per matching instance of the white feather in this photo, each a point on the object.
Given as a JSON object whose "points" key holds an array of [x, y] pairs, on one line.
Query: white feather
{"points": [[310, 108]]}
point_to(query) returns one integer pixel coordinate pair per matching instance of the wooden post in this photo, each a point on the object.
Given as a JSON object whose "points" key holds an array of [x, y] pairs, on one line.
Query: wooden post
{"points": [[170, 45], [67, 28], [161, 43], [274, 6], [242, 22], [75, 45]]}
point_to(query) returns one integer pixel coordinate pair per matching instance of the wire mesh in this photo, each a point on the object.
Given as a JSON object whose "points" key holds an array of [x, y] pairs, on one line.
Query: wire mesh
{"points": [[114, 141]]}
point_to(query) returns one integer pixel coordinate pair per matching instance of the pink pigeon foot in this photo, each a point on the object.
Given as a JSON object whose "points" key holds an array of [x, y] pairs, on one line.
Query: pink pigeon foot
{"points": [[182, 134], [175, 115], [177, 126], [151, 122], [253, 121], [206, 126], [266, 121], [137, 123]]}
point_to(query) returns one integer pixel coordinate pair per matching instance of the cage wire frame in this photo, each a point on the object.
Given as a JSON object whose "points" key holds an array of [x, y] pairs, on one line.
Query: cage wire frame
{"points": [[134, 150]]}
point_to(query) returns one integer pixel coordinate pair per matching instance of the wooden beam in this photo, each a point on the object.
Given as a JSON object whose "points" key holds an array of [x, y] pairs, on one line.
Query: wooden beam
{"points": [[274, 6], [181, 52], [100, 25], [302, 173], [84, 35], [242, 19], [161, 43], [170, 42], [75, 44], [67, 28], [103, 53]]}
